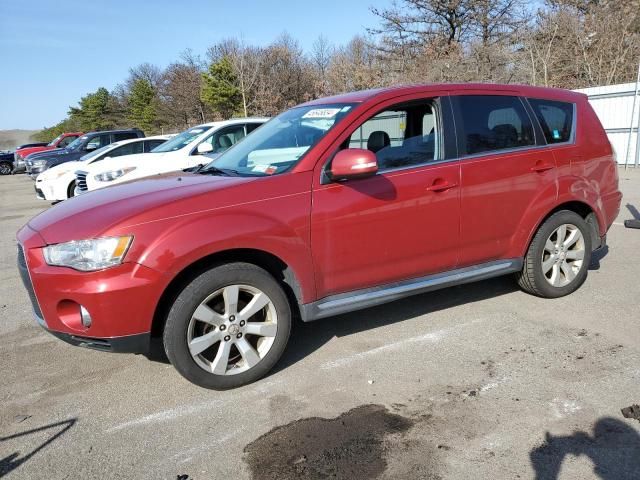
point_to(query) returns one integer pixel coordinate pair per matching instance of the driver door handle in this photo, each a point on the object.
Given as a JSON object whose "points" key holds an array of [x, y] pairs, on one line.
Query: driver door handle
{"points": [[440, 185]]}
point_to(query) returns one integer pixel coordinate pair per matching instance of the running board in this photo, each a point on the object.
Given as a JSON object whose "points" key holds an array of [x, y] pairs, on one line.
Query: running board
{"points": [[369, 297]]}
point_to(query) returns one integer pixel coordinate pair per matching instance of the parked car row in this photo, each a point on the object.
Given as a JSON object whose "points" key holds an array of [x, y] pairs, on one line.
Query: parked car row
{"points": [[335, 205], [59, 182]]}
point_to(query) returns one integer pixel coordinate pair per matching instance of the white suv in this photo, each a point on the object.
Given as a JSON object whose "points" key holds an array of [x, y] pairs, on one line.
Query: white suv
{"points": [[181, 152], [59, 182]]}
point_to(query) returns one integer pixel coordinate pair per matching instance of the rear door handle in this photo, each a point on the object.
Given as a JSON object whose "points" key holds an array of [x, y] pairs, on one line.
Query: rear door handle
{"points": [[440, 185], [542, 167]]}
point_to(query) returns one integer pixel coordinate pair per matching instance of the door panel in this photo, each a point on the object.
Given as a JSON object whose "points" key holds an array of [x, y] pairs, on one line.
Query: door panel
{"points": [[505, 171], [497, 191], [385, 228]]}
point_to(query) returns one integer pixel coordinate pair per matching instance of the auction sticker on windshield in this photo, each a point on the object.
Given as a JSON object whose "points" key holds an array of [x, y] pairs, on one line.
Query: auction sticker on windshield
{"points": [[321, 113]]}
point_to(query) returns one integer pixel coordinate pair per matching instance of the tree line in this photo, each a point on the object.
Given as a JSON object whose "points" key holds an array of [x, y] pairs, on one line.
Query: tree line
{"points": [[562, 43]]}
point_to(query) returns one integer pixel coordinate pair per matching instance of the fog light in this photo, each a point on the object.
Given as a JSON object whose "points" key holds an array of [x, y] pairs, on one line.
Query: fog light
{"points": [[86, 318]]}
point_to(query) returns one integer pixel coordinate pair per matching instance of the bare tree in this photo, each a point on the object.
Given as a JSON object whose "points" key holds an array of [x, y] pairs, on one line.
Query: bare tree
{"points": [[321, 56]]}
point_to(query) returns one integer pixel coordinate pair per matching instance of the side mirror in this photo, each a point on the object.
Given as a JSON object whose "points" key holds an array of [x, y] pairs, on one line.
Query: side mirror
{"points": [[353, 163], [204, 148]]}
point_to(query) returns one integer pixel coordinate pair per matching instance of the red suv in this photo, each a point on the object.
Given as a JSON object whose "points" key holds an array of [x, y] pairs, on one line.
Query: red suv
{"points": [[335, 205]]}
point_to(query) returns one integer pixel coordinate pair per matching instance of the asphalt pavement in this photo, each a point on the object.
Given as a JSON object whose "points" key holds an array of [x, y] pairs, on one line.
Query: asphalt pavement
{"points": [[477, 381]]}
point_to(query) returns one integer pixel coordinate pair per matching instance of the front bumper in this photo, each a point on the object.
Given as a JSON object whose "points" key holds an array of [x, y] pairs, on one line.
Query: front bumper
{"points": [[18, 165], [128, 344], [121, 300], [34, 171]]}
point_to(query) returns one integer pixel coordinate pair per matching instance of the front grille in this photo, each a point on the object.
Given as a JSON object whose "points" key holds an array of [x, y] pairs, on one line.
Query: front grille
{"points": [[81, 180], [26, 280]]}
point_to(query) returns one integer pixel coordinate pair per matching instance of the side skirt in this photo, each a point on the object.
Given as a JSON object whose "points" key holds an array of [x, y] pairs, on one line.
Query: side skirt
{"points": [[369, 297]]}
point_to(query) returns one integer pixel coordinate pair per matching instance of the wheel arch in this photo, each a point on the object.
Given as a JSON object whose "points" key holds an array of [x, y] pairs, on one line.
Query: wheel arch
{"points": [[282, 272], [586, 211]]}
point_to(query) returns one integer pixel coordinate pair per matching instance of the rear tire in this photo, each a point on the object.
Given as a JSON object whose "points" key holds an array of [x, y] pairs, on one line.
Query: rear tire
{"points": [[228, 327], [6, 168], [557, 261]]}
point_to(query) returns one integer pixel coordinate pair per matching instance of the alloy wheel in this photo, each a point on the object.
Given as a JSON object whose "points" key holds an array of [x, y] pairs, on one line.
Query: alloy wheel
{"points": [[563, 255], [232, 330]]}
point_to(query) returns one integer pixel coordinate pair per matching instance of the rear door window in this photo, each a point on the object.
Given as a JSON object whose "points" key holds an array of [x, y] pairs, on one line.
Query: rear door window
{"points": [[490, 123], [555, 118]]}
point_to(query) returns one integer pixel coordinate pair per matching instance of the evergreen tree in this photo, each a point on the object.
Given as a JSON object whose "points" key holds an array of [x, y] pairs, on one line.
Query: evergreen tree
{"points": [[142, 109], [220, 88], [93, 112]]}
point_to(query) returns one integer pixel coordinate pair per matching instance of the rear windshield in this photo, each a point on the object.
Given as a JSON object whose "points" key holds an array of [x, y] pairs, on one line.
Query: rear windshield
{"points": [[556, 119]]}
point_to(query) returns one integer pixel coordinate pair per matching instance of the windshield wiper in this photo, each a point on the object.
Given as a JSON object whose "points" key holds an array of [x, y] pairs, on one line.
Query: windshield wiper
{"points": [[227, 172]]}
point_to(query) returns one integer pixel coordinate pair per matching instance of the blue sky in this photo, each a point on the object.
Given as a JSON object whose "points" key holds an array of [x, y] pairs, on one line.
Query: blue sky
{"points": [[54, 52]]}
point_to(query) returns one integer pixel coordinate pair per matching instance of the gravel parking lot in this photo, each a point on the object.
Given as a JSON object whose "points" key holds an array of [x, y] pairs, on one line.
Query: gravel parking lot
{"points": [[477, 381]]}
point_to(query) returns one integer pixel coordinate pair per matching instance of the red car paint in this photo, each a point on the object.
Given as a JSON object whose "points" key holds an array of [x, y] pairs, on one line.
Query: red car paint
{"points": [[62, 141], [333, 238]]}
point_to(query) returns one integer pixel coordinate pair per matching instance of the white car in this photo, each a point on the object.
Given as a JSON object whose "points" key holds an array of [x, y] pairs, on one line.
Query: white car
{"points": [[181, 152], [59, 182]]}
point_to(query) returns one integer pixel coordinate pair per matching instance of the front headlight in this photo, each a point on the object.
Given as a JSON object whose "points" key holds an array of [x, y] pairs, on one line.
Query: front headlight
{"points": [[38, 163], [88, 255], [113, 174]]}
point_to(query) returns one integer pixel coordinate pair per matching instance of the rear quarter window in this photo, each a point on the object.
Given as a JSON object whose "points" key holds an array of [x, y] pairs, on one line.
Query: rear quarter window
{"points": [[556, 119]]}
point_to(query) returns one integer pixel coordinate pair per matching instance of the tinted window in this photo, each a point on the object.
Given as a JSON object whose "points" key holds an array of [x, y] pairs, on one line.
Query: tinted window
{"points": [[252, 126], [98, 141], [151, 144], [128, 149], [492, 122], [66, 141], [125, 136], [400, 137], [556, 119]]}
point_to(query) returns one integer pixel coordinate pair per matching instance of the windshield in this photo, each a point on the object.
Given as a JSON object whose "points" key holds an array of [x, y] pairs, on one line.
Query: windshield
{"points": [[53, 142], [99, 151], [280, 143], [76, 143], [181, 140]]}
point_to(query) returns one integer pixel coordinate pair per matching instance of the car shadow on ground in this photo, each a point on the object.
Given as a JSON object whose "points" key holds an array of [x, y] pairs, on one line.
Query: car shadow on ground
{"points": [[308, 337], [613, 448], [13, 461]]}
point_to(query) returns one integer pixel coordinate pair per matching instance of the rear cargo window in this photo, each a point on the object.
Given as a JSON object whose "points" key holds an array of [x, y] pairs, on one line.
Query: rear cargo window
{"points": [[556, 119], [493, 122]]}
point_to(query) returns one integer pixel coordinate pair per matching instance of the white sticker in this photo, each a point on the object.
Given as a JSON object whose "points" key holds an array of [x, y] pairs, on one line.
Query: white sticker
{"points": [[321, 113]]}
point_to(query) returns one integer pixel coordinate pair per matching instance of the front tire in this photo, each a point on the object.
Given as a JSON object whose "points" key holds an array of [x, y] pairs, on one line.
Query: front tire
{"points": [[71, 189], [228, 327], [5, 168], [558, 258]]}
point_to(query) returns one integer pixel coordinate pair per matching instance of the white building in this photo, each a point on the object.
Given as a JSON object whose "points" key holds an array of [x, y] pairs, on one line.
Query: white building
{"points": [[614, 105]]}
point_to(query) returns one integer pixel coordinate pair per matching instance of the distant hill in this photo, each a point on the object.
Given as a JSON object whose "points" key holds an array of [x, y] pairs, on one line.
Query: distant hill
{"points": [[9, 139]]}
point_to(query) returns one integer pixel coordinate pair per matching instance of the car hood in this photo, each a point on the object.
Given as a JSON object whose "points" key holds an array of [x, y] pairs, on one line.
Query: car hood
{"points": [[48, 153], [24, 152], [96, 213]]}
